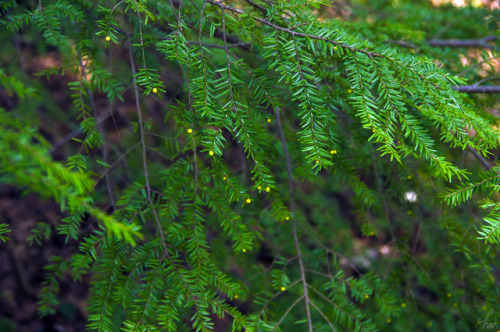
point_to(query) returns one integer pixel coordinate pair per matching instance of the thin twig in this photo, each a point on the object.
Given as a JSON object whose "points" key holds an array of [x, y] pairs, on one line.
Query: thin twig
{"points": [[100, 130], [491, 78], [324, 316], [116, 6], [294, 223], [483, 160], [140, 38], [224, 37], [143, 144], [333, 304], [116, 162], [271, 299], [287, 312], [390, 223], [146, 175], [218, 46]]}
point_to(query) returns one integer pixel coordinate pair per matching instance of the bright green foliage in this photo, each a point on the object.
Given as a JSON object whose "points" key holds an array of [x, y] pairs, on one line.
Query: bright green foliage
{"points": [[28, 164], [488, 182], [273, 115], [4, 230]]}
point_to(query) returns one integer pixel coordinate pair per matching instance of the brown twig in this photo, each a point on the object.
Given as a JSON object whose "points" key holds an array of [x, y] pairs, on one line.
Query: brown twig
{"points": [[483, 160]]}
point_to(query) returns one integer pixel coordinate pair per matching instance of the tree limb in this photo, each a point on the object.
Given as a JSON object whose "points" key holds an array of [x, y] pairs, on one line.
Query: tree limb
{"points": [[478, 43], [478, 89]]}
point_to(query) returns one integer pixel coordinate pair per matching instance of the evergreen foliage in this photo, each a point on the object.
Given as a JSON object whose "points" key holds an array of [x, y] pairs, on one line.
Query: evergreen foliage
{"points": [[174, 231]]}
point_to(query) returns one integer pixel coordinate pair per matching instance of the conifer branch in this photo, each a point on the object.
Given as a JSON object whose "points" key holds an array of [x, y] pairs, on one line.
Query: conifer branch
{"points": [[151, 203], [464, 192], [150, 296], [262, 171], [403, 104], [293, 33]]}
